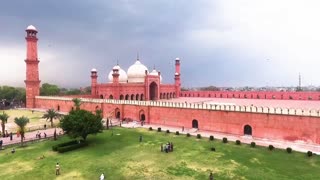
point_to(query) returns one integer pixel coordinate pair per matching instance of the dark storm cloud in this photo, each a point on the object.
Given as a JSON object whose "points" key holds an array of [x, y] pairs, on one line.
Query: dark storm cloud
{"points": [[212, 39]]}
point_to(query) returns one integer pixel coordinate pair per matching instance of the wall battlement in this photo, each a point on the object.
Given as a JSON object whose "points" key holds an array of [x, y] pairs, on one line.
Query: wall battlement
{"points": [[204, 106]]}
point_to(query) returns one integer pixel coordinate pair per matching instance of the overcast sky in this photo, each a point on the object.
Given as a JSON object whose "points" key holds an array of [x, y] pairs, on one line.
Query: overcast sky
{"points": [[221, 43]]}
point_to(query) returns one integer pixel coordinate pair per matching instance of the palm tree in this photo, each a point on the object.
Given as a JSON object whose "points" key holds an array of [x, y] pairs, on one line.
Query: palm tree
{"points": [[50, 115], [4, 119], [77, 103], [21, 122]]}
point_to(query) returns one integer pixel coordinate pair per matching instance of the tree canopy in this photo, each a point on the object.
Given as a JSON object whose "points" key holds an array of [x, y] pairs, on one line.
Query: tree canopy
{"points": [[21, 122], [49, 90], [4, 119], [50, 115], [81, 123]]}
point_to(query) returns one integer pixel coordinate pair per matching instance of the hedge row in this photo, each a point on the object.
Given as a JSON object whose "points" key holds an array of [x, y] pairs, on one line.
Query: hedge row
{"points": [[55, 147], [72, 147]]}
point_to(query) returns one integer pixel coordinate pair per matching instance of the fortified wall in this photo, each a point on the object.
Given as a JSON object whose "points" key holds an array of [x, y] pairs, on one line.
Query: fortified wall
{"points": [[254, 95], [270, 123]]}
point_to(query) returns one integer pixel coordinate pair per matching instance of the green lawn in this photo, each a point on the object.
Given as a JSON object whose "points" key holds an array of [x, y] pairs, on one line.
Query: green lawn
{"points": [[36, 120], [121, 156]]}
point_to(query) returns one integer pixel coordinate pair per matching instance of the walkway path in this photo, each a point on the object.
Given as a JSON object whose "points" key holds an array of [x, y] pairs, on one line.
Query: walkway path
{"points": [[29, 136], [296, 146]]}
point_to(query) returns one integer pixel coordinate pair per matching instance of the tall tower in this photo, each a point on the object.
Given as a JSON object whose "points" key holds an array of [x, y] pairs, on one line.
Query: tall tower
{"points": [[32, 73], [177, 78], [94, 77]]}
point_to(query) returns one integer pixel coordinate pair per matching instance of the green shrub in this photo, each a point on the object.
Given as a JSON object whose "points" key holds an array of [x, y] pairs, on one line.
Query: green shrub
{"points": [[289, 150], [150, 128], [55, 147], [168, 131], [225, 140], [309, 153], [199, 136], [211, 138], [72, 147], [238, 142], [159, 129], [177, 133], [213, 149], [188, 135], [271, 147], [253, 144]]}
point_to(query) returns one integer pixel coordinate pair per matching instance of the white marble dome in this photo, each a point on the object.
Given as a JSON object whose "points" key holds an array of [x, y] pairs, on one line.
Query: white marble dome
{"points": [[136, 72], [122, 75], [93, 70], [31, 27]]}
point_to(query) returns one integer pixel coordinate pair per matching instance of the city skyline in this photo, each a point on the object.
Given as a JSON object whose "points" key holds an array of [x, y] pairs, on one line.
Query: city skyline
{"points": [[234, 43]]}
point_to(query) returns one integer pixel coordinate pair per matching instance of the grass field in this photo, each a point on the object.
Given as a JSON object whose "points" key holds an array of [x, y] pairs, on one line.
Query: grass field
{"points": [[121, 156], [36, 120]]}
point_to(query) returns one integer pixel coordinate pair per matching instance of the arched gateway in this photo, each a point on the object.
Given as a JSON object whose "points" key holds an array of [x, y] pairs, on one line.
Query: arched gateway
{"points": [[247, 130], [153, 91], [195, 124]]}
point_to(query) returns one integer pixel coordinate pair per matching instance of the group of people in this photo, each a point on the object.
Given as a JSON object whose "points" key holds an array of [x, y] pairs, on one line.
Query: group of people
{"points": [[38, 135], [167, 147], [6, 134]]}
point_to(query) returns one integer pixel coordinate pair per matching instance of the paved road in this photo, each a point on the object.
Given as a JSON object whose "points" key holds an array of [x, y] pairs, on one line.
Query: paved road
{"points": [[29, 136]]}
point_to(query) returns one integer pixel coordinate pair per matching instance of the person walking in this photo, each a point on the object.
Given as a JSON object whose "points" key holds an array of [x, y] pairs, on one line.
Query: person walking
{"points": [[211, 176], [140, 139], [102, 176], [57, 169]]}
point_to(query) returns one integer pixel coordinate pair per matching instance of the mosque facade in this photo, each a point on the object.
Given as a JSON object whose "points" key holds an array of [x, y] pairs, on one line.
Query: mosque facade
{"points": [[140, 95], [136, 84]]}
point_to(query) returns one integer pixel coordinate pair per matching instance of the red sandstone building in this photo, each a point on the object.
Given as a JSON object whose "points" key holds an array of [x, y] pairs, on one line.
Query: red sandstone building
{"points": [[140, 95]]}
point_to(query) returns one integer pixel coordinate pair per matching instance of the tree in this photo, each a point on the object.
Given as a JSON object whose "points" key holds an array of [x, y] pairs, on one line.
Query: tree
{"points": [[4, 119], [81, 123], [21, 122], [50, 115], [77, 103], [49, 90]]}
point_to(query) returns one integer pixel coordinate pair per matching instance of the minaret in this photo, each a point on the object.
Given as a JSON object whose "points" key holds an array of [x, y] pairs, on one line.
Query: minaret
{"points": [[94, 77], [115, 83], [299, 81], [32, 73], [177, 78]]}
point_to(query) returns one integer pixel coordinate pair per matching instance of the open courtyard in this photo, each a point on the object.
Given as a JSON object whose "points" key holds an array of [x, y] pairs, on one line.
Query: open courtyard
{"points": [[119, 155]]}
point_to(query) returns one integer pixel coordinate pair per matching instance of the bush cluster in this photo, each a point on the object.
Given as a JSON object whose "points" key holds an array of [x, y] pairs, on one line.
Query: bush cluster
{"points": [[72, 147], [238, 142], [199, 136], [168, 131], [253, 144], [213, 149], [289, 149], [271, 147], [225, 140], [150, 128], [309, 153], [188, 135], [177, 133], [55, 147], [211, 138], [159, 129]]}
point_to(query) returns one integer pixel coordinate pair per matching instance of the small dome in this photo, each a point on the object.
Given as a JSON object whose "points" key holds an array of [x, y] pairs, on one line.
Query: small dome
{"points": [[177, 58], [93, 70], [137, 72], [31, 27], [176, 73], [122, 75], [155, 73]]}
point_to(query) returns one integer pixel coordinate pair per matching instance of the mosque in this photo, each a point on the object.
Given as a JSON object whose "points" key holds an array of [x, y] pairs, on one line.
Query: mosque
{"points": [[140, 95], [135, 84]]}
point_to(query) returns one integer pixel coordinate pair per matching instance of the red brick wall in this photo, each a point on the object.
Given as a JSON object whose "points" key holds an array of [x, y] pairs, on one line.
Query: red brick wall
{"points": [[271, 126], [253, 94]]}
